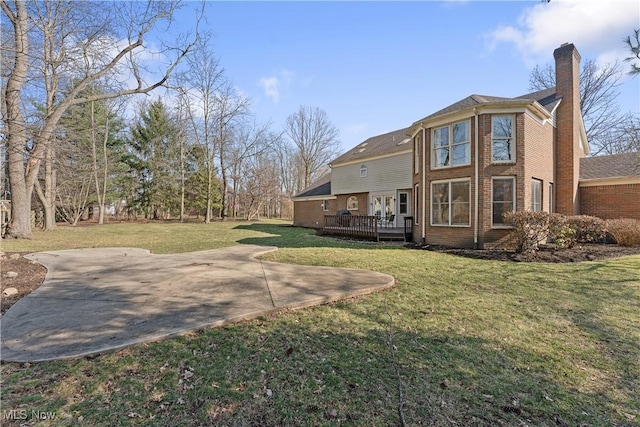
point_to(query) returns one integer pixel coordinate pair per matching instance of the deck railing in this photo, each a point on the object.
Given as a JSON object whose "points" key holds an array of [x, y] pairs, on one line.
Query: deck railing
{"points": [[360, 226]]}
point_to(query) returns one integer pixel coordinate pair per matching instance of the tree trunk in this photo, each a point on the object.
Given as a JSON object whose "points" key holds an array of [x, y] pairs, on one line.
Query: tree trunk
{"points": [[15, 132], [207, 215], [100, 194], [48, 196]]}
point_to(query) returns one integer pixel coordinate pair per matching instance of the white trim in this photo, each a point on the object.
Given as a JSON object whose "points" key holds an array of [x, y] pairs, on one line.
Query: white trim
{"points": [[618, 180], [312, 198], [513, 148], [476, 210], [433, 149], [416, 198], [449, 181], [357, 203], [408, 212], [491, 107], [541, 183], [424, 183], [513, 190]]}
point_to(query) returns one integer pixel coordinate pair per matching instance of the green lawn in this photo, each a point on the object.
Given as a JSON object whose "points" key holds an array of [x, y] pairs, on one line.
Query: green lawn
{"points": [[457, 342]]}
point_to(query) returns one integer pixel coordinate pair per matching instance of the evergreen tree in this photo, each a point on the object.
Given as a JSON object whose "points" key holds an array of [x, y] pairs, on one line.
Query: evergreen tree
{"points": [[154, 163]]}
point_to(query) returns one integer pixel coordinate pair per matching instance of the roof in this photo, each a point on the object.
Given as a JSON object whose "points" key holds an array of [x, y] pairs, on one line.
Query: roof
{"points": [[387, 143], [610, 166], [547, 98], [322, 187]]}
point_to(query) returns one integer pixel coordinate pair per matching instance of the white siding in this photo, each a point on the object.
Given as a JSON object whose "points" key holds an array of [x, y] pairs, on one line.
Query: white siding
{"points": [[387, 173]]}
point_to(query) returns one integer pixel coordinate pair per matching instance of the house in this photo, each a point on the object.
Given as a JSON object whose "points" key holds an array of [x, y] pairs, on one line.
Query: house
{"points": [[370, 179], [467, 164]]}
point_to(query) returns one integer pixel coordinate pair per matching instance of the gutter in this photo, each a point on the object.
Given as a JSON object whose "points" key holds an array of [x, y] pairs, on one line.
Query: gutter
{"points": [[424, 184], [476, 213]]}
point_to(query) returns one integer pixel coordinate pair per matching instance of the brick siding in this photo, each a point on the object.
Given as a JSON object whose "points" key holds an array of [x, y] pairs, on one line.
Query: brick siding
{"points": [[611, 201]]}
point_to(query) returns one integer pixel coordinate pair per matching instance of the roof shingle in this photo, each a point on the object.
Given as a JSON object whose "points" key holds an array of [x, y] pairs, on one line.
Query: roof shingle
{"points": [[377, 145], [610, 166]]}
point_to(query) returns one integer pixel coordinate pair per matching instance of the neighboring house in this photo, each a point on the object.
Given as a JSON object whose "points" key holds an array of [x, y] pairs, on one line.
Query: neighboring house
{"points": [[467, 164], [371, 179]]}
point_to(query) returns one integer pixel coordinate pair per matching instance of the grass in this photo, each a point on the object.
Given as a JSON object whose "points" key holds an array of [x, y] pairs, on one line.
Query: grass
{"points": [[456, 342]]}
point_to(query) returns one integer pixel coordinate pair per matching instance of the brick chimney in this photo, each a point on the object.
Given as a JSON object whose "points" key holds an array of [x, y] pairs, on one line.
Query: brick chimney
{"points": [[569, 147]]}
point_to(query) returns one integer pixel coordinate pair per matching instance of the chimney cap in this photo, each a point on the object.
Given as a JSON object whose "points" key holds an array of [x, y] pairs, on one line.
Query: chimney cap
{"points": [[564, 44]]}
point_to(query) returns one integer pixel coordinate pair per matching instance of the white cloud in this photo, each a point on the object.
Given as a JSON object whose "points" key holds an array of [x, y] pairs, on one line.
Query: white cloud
{"points": [[271, 87], [597, 26], [274, 86]]}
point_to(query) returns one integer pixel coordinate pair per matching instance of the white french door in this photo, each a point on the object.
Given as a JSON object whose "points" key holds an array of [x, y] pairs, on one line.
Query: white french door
{"points": [[383, 206]]}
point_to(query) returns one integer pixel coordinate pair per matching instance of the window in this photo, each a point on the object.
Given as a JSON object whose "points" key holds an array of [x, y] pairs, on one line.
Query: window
{"points": [[451, 145], [551, 197], [352, 203], [403, 203], [502, 197], [363, 171], [416, 207], [416, 154], [536, 195], [450, 203], [503, 147], [325, 205]]}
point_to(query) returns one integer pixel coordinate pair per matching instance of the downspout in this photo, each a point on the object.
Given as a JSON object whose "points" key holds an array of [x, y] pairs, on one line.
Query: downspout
{"points": [[476, 213], [424, 181]]}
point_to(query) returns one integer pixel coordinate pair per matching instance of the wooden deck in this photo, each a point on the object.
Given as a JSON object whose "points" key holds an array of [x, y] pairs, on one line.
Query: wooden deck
{"points": [[364, 227]]}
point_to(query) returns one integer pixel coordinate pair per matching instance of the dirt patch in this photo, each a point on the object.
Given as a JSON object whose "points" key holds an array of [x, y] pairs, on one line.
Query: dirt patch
{"points": [[579, 253], [21, 274]]}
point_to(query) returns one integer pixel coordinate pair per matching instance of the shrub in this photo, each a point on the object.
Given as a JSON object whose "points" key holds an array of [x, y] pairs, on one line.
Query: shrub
{"points": [[561, 234], [588, 229], [529, 229], [566, 231], [626, 232]]}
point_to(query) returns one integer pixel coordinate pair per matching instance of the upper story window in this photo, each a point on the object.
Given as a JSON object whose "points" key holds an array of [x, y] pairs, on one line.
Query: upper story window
{"points": [[352, 203], [503, 144], [451, 145], [363, 171]]}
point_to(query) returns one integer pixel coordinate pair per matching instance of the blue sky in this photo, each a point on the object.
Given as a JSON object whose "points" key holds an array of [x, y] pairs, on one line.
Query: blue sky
{"points": [[378, 66]]}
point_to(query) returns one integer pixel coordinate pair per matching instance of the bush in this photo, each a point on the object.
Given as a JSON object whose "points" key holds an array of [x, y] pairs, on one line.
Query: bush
{"points": [[529, 229], [561, 234], [566, 231], [626, 232], [588, 229]]}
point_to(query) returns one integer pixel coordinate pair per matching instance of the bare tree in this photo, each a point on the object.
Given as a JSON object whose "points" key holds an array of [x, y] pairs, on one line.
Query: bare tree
{"points": [[599, 90], [233, 108], [315, 139], [79, 46], [634, 49], [250, 140], [261, 185], [198, 88]]}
